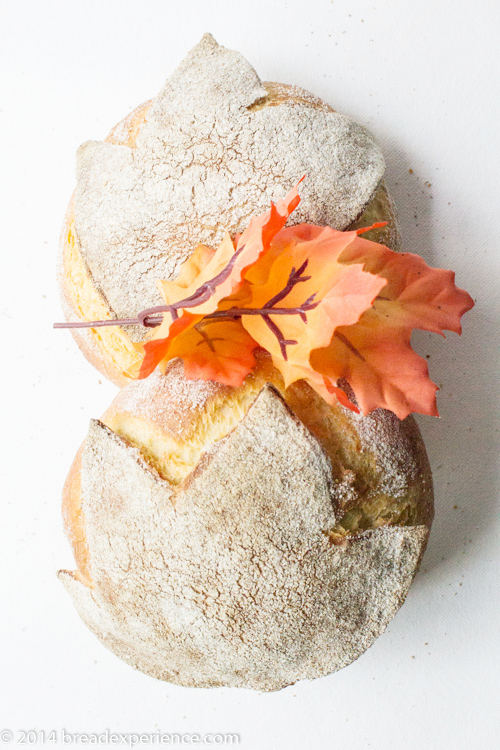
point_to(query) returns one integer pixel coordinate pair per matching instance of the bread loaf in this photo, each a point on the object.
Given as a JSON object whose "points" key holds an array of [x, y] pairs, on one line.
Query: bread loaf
{"points": [[210, 151], [249, 536]]}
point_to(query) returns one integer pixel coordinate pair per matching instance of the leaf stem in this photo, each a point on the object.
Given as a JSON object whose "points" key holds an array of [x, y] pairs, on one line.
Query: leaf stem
{"points": [[152, 319]]}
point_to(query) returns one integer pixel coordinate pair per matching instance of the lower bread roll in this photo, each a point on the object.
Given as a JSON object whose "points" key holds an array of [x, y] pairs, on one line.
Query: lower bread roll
{"points": [[247, 537]]}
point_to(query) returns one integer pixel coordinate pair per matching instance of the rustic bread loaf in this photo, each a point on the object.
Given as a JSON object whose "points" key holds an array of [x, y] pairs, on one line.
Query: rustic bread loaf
{"points": [[210, 151], [248, 536]]}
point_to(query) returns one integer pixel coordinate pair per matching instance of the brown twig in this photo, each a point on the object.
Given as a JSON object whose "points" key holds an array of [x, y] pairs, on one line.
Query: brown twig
{"points": [[295, 277], [152, 317]]}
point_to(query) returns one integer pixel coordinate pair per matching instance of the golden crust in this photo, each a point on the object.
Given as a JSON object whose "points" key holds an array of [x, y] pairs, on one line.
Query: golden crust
{"points": [[74, 519], [126, 131], [109, 350]]}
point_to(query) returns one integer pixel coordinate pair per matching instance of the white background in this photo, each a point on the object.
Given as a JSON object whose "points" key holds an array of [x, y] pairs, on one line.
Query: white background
{"points": [[422, 75]]}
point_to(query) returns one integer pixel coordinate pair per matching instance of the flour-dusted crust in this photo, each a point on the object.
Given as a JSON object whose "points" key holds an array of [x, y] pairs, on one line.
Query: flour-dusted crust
{"points": [[210, 151], [231, 577], [177, 171]]}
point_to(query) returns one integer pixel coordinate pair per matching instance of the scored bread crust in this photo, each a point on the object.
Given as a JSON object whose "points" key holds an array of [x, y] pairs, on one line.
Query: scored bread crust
{"points": [[206, 523], [361, 199]]}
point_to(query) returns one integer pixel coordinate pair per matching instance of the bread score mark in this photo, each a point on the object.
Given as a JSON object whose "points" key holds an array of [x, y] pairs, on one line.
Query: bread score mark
{"points": [[310, 296]]}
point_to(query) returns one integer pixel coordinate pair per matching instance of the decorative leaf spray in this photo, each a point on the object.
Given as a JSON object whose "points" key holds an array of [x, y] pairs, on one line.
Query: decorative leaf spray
{"points": [[327, 306]]}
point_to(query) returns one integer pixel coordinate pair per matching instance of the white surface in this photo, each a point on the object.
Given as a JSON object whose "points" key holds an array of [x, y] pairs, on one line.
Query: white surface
{"points": [[421, 75]]}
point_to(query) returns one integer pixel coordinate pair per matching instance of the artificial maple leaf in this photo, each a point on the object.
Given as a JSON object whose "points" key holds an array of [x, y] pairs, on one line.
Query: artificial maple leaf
{"points": [[155, 349], [375, 355], [331, 393], [199, 283], [416, 295], [193, 269], [173, 292], [224, 353], [311, 297], [380, 366], [212, 349], [305, 278]]}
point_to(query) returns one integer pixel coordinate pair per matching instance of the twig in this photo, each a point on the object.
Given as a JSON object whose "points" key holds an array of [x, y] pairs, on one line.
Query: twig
{"points": [[152, 317]]}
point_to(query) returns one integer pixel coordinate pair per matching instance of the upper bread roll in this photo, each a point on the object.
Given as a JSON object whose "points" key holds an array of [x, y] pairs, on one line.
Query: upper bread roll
{"points": [[205, 155], [249, 536]]}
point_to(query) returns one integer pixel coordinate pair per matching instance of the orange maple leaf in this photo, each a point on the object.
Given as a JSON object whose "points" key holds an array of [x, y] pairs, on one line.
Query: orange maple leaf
{"points": [[304, 275], [326, 305], [212, 349], [375, 355], [416, 294], [380, 366], [218, 350]]}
